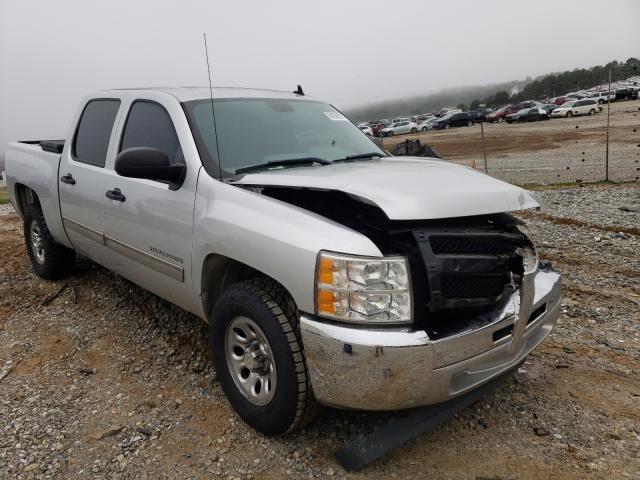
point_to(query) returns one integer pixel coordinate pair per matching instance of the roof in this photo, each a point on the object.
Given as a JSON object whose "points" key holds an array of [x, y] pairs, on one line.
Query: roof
{"points": [[185, 94]]}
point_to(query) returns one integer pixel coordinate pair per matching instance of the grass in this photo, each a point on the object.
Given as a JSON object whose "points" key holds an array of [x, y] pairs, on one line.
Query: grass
{"points": [[4, 195]]}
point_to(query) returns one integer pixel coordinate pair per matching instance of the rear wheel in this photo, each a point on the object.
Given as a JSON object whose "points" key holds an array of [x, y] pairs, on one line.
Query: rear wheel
{"points": [[257, 351], [49, 259], [390, 134], [569, 114], [414, 130]]}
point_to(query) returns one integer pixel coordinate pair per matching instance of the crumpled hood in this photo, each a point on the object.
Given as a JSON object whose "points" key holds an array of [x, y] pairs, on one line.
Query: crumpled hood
{"points": [[407, 188]]}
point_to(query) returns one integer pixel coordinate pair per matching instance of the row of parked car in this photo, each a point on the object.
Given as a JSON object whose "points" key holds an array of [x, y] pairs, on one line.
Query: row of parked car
{"points": [[584, 102]]}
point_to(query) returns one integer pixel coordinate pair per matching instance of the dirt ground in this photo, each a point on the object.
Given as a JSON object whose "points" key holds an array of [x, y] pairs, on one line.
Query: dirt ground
{"points": [[557, 150], [105, 380]]}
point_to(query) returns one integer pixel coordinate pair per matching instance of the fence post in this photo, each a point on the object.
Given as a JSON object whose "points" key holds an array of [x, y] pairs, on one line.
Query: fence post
{"points": [[606, 160], [484, 148]]}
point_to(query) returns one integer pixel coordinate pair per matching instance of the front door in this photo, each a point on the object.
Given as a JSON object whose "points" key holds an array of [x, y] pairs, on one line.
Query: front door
{"points": [[148, 224], [82, 174]]}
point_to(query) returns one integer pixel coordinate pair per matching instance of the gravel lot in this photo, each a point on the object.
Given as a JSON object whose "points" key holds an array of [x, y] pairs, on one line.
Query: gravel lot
{"points": [[557, 150], [108, 381]]}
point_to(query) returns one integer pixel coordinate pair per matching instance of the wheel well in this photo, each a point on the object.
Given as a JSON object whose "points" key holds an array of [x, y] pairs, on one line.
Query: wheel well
{"points": [[220, 272], [25, 196]]}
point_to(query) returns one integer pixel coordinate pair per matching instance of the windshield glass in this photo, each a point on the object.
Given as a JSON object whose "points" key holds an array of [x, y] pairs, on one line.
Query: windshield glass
{"points": [[257, 131]]}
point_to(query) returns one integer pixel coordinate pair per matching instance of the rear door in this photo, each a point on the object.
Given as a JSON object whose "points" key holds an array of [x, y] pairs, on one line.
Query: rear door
{"points": [[81, 176], [149, 230]]}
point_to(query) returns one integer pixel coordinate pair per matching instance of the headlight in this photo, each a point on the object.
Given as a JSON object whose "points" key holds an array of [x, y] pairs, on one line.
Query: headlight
{"points": [[363, 289]]}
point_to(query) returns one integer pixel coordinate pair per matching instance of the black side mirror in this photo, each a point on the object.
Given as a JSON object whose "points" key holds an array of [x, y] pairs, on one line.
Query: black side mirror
{"points": [[151, 164]]}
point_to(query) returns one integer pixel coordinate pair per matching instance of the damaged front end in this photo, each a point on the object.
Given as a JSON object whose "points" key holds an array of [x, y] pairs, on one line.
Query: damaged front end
{"points": [[481, 303]]}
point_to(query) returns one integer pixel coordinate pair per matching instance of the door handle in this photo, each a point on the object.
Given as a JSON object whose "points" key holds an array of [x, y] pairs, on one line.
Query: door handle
{"points": [[68, 179], [116, 195]]}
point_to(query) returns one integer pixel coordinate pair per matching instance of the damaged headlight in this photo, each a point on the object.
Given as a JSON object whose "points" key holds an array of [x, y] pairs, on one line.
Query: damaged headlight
{"points": [[363, 289]]}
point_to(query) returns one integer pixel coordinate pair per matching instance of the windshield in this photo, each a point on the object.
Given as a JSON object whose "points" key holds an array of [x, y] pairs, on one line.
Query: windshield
{"points": [[568, 104], [258, 131]]}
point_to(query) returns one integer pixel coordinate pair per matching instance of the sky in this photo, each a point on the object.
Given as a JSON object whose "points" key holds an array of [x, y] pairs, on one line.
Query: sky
{"points": [[348, 52]]}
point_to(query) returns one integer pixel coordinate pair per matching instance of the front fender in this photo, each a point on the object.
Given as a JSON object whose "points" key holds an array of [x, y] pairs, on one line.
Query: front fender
{"points": [[271, 236]]}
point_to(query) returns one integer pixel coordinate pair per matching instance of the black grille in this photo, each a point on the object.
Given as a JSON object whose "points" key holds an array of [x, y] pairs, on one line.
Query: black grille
{"points": [[471, 245], [473, 286]]}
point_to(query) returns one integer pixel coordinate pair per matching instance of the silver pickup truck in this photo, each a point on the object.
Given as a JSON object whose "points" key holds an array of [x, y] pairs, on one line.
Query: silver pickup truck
{"points": [[330, 273]]}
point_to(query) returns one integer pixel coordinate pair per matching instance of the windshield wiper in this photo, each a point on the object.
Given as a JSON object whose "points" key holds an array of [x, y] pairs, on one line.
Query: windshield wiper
{"points": [[282, 163], [360, 156]]}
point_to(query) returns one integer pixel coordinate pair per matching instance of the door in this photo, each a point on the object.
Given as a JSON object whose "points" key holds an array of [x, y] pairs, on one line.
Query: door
{"points": [[148, 224], [81, 177]]}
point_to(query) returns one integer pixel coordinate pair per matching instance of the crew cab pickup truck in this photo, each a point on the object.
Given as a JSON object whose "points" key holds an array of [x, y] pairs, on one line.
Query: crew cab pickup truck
{"points": [[330, 272]]}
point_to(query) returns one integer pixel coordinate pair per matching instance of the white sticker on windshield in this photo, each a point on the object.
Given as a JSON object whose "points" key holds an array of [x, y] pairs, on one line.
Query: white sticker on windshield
{"points": [[336, 117]]}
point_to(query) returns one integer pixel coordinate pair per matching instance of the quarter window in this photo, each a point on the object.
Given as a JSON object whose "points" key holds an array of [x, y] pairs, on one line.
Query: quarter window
{"points": [[94, 131], [149, 125]]}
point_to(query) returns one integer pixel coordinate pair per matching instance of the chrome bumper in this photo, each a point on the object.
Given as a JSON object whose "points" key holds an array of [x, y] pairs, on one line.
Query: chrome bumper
{"points": [[388, 369]]}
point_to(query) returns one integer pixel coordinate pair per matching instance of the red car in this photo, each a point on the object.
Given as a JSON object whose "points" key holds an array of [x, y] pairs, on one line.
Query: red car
{"points": [[499, 114]]}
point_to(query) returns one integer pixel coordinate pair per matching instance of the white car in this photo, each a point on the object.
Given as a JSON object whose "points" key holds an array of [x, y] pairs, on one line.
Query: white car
{"points": [[427, 124], [399, 128], [366, 129], [587, 106], [603, 96]]}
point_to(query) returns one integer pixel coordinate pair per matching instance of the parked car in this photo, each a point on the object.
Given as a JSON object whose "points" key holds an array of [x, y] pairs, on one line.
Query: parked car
{"points": [[453, 120], [626, 93], [586, 106], [603, 96], [529, 104], [399, 128], [367, 130], [447, 111], [528, 115], [311, 293], [502, 112], [427, 124], [480, 115], [549, 107]]}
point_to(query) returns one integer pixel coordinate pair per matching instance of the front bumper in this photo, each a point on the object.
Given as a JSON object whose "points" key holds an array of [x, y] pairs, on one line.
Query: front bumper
{"points": [[372, 368]]}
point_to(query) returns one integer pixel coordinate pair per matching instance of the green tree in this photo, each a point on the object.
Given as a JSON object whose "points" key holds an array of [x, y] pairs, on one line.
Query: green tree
{"points": [[475, 104], [461, 106], [501, 98]]}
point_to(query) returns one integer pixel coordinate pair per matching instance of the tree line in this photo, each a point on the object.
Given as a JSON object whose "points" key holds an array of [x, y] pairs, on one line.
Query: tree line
{"points": [[545, 86]]}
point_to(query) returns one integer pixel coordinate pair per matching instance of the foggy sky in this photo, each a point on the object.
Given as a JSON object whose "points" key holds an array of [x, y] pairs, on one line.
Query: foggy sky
{"points": [[347, 52]]}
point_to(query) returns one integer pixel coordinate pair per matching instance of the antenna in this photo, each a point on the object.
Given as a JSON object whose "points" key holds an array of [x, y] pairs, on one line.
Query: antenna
{"points": [[213, 112]]}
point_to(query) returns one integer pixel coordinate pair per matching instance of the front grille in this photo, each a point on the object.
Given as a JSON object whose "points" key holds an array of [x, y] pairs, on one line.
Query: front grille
{"points": [[468, 267], [473, 286], [470, 245]]}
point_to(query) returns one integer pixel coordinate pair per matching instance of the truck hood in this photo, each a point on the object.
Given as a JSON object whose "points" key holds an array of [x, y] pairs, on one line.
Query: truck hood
{"points": [[407, 188]]}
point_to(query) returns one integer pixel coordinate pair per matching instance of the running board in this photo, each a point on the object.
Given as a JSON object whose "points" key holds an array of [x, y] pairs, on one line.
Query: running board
{"points": [[360, 452]]}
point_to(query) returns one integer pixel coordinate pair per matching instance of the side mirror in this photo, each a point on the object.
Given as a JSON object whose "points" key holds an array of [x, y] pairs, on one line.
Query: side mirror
{"points": [[150, 164]]}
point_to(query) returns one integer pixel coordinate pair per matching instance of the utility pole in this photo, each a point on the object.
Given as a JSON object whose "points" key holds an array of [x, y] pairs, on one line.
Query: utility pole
{"points": [[606, 161]]}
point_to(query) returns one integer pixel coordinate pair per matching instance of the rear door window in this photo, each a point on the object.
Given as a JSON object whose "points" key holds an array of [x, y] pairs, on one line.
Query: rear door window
{"points": [[91, 142], [149, 125]]}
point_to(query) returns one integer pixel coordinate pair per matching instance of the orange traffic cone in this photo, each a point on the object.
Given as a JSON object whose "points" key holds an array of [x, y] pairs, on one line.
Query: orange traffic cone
{"points": [[473, 164]]}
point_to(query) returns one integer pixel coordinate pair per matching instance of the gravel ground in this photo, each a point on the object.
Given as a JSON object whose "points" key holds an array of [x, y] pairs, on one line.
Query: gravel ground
{"points": [[107, 381], [557, 150]]}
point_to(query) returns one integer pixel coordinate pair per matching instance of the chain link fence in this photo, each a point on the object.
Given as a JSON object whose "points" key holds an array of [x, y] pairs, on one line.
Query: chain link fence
{"points": [[560, 150]]}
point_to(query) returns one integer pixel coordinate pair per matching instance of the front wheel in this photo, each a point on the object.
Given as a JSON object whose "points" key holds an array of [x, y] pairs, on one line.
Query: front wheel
{"points": [[49, 259], [569, 115], [592, 112], [257, 352]]}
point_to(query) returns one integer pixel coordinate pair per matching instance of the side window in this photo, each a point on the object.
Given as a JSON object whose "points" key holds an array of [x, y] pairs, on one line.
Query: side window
{"points": [[94, 131], [149, 125]]}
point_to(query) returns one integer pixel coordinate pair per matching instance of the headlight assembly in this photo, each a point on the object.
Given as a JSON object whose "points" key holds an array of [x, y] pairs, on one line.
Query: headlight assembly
{"points": [[363, 289]]}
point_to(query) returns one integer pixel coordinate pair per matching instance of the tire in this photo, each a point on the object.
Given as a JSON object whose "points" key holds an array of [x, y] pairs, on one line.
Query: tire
{"points": [[414, 130], [289, 402], [469, 123], [425, 129], [49, 259], [592, 111], [569, 114], [447, 126], [390, 134]]}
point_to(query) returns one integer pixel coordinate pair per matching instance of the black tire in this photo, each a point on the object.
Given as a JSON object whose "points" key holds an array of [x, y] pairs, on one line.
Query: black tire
{"points": [[414, 130], [447, 126], [425, 129], [569, 114], [272, 309], [52, 261], [592, 111], [469, 123]]}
